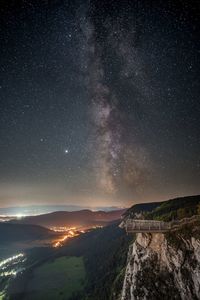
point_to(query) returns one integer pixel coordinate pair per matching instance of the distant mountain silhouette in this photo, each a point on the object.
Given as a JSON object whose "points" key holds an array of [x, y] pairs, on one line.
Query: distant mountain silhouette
{"points": [[75, 218], [33, 210]]}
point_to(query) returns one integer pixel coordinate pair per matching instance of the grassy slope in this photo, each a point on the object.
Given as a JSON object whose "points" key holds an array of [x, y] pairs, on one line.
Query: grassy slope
{"points": [[58, 279], [2, 297], [167, 210]]}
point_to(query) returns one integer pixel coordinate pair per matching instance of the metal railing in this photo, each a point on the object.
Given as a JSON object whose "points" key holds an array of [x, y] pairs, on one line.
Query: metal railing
{"points": [[134, 225]]}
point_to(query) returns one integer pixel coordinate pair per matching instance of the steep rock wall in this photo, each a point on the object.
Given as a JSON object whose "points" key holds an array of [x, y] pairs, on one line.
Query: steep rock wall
{"points": [[162, 266]]}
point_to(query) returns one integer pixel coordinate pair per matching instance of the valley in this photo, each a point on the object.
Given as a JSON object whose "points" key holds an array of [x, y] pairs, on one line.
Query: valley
{"points": [[101, 262]]}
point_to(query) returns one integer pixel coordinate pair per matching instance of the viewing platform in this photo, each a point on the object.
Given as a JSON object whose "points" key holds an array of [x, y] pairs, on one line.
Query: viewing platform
{"points": [[148, 226], [136, 226]]}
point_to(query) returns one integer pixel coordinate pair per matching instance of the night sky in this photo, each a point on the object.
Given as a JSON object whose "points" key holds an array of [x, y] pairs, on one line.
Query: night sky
{"points": [[99, 101]]}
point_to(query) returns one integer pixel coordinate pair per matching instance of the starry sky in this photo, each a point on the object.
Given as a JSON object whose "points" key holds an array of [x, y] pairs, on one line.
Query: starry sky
{"points": [[99, 101]]}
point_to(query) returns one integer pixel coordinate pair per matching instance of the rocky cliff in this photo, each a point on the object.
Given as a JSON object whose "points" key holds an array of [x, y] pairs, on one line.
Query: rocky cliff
{"points": [[164, 266]]}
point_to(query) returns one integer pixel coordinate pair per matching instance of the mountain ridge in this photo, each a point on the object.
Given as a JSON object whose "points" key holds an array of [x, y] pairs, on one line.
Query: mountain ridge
{"points": [[76, 218]]}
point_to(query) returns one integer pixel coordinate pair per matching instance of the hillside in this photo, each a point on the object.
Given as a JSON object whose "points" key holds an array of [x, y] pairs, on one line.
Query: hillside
{"points": [[21, 232], [103, 252], [177, 208], [73, 219]]}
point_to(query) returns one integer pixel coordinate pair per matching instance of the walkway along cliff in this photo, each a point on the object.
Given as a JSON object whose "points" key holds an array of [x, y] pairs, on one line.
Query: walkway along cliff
{"points": [[138, 226]]}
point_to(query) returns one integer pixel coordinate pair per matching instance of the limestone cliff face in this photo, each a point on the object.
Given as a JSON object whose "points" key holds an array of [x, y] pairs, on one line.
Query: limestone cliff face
{"points": [[163, 266]]}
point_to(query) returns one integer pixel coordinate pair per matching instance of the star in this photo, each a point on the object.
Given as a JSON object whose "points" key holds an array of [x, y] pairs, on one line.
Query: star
{"points": [[112, 104]]}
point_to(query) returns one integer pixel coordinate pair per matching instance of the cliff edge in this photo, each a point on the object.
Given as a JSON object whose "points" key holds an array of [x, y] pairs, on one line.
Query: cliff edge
{"points": [[164, 266]]}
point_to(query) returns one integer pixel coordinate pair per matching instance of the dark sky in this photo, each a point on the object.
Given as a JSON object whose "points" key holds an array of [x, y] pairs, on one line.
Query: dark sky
{"points": [[99, 101]]}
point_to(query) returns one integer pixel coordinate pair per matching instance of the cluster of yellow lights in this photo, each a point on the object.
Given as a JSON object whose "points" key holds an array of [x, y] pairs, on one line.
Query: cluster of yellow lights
{"points": [[9, 273], [10, 259], [7, 263], [70, 234], [62, 228]]}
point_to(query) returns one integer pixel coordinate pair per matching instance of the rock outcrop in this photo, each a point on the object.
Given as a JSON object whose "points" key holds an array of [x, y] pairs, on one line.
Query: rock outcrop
{"points": [[164, 266]]}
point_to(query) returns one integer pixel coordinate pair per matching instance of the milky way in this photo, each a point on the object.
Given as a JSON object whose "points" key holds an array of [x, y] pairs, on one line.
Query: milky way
{"points": [[99, 101], [119, 164]]}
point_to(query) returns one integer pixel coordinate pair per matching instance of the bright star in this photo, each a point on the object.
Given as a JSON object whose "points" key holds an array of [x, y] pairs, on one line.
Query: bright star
{"points": [[66, 151]]}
